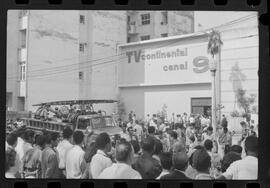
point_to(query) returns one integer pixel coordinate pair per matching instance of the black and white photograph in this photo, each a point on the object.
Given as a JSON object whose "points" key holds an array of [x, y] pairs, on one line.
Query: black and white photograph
{"points": [[132, 94]]}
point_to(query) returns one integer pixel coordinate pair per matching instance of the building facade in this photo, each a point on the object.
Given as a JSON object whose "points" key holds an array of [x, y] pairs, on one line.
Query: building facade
{"points": [[175, 71], [50, 57], [145, 25]]}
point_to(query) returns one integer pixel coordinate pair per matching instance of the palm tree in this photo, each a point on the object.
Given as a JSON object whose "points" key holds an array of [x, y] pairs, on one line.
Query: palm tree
{"points": [[214, 45]]}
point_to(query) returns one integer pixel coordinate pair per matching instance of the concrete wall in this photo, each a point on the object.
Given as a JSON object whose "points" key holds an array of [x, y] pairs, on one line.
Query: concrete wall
{"points": [[180, 22], [144, 87], [149, 100], [53, 55], [239, 62], [109, 31], [12, 86]]}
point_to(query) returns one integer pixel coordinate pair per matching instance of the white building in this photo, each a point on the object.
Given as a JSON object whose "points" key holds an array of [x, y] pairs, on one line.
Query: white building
{"points": [[175, 71]]}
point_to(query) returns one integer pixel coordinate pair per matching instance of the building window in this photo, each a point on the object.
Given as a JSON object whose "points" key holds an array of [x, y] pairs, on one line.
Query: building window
{"points": [[80, 75], [23, 71], [145, 19], [201, 106], [146, 37], [128, 39], [23, 13], [164, 18], [82, 19], [164, 34], [82, 47], [128, 19], [23, 38]]}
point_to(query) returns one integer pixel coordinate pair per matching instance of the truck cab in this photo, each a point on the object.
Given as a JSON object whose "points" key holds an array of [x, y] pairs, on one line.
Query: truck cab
{"points": [[97, 124]]}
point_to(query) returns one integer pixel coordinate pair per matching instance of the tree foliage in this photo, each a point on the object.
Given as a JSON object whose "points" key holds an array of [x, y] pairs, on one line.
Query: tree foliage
{"points": [[244, 101], [121, 110], [214, 43]]}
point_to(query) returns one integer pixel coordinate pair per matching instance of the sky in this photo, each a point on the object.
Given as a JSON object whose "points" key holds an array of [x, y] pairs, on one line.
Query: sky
{"points": [[208, 19]]}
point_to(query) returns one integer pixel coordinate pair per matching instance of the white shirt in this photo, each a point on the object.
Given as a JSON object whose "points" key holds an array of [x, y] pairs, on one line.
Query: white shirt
{"points": [[119, 171], [139, 131], [98, 163], [19, 147], [17, 166], [246, 168], [125, 136], [9, 175], [62, 149], [164, 172], [207, 137], [153, 124], [74, 160], [191, 120]]}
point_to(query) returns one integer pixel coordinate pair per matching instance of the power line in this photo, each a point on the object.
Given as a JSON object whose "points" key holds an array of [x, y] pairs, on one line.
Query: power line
{"points": [[77, 64], [71, 69]]}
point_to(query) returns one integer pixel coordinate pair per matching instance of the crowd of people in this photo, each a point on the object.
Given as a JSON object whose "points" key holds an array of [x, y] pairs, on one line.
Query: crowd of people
{"points": [[183, 148]]}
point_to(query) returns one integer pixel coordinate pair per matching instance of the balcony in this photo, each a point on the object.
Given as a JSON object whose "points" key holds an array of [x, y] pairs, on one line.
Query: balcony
{"points": [[22, 54], [23, 22], [132, 28], [22, 88]]}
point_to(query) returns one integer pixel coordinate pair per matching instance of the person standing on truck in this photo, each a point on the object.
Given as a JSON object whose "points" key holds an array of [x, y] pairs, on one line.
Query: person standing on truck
{"points": [[62, 148], [75, 162], [49, 159]]}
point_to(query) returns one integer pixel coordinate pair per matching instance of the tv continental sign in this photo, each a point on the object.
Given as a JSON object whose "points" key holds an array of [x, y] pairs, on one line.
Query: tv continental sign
{"points": [[200, 64]]}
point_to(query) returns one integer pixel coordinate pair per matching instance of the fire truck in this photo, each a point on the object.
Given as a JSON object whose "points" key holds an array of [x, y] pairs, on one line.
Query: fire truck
{"points": [[76, 114]]}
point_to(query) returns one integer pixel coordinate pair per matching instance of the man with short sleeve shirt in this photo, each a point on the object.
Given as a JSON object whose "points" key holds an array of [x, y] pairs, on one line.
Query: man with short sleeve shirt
{"points": [[75, 163], [101, 160], [247, 168], [122, 169]]}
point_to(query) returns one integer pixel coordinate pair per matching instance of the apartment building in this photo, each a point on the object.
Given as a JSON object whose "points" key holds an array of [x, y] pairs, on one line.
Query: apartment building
{"points": [[50, 57], [145, 25]]}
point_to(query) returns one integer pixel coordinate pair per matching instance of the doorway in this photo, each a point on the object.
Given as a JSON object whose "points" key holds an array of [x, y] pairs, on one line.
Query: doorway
{"points": [[201, 106]]}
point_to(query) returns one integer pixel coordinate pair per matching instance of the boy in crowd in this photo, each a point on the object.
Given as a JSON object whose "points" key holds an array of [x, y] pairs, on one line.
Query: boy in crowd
{"points": [[146, 165], [49, 159], [166, 163], [180, 164]]}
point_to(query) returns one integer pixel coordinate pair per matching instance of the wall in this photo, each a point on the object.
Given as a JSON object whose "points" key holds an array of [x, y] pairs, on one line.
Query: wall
{"points": [[180, 22], [12, 85], [104, 47], [149, 100], [145, 86], [53, 55], [145, 63], [239, 62]]}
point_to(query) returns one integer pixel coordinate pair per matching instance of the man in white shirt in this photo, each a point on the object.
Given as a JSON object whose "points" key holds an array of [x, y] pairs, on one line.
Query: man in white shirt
{"points": [[20, 142], [63, 147], [11, 143], [124, 134], [75, 163], [101, 159], [28, 138], [122, 169], [138, 130], [247, 168]]}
